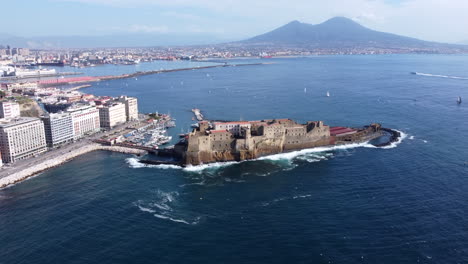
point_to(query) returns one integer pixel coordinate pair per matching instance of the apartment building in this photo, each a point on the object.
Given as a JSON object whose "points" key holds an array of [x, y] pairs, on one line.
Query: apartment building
{"points": [[21, 138]]}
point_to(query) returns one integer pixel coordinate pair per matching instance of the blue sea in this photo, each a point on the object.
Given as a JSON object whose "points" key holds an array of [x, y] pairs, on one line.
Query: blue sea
{"points": [[406, 203]]}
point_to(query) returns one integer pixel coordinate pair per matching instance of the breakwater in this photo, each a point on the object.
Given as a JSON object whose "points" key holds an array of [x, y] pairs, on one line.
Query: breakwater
{"points": [[89, 79], [24, 172], [142, 73]]}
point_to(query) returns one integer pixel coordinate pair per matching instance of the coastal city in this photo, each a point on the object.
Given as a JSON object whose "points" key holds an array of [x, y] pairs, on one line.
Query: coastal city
{"points": [[11, 57], [41, 119], [234, 132]]}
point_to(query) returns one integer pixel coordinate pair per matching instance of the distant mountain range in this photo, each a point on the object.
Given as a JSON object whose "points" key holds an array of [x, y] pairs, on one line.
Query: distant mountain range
{"points": [[338, 32]]}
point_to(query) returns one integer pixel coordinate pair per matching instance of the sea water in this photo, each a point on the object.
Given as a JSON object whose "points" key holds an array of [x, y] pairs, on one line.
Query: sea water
{"points": [[357, 204]]}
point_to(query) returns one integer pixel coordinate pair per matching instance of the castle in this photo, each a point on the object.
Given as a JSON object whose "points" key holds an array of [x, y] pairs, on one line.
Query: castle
{"points": [[242, 140]]}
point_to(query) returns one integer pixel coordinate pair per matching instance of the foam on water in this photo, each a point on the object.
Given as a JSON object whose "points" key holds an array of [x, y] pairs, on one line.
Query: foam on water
{"points": [[295, 197], [202, 167], [299, 153], [162, 207], [176, 220], [396, 143], [144, 209], [136, 164]]}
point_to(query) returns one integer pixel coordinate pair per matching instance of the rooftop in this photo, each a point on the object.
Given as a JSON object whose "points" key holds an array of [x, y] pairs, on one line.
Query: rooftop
{"points": [[5, 123]]}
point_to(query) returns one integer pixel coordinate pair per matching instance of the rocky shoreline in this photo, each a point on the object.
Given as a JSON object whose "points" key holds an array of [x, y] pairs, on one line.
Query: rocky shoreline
{"points": [[27, 172]]}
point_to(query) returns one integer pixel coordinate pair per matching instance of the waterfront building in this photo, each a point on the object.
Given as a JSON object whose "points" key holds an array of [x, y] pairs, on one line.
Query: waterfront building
{"points": [[21, 138], [112, 114], [85, 119], [131, 107], [9, 109], [234, 127], [70, 97], [58, 129], [21, 86]]}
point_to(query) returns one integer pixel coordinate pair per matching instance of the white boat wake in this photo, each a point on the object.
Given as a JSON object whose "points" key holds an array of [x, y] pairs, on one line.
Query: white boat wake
{"points": [[440, 76]]}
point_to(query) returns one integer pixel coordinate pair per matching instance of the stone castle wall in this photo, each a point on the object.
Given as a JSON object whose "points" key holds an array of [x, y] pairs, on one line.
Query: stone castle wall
{"points": [[269, 137]]}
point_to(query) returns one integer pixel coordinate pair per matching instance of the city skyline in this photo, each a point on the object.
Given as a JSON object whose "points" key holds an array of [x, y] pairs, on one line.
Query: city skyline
{"points": [[433, 20]]}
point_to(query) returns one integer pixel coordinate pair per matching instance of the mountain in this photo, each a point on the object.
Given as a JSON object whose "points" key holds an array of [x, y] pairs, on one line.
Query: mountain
{"points": [[338, 32]]}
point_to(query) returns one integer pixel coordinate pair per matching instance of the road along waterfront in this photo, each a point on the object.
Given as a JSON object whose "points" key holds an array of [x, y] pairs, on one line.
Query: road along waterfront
{"points": [[24, 169]]}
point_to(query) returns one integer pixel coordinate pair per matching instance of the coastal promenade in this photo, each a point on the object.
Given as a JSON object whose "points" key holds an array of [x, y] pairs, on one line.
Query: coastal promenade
{"points": [[23, 169]]}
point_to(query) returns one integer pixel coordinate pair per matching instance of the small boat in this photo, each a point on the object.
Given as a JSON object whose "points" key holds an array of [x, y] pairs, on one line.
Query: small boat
{"points": [[459, 100], [414, 73], [196, 125], [328, 94]]}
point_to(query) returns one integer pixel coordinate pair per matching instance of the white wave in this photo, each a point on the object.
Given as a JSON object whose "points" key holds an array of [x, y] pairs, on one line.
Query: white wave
{"points": [[302, 196], [202, 167], [166, 196], [425, 141], [412, 137], [440, 76], [396, 143], [295, 154], [173, 219], [161, 207], [135, 163], [164, 207], [167, 167], [145, 209]]}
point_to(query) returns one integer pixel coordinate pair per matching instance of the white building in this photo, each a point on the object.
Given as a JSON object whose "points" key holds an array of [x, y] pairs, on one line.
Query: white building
{"points": [[131, 107], [58, 129], [112, 114], [85, 119], [9, 109], [234, 127], [21, 138]]}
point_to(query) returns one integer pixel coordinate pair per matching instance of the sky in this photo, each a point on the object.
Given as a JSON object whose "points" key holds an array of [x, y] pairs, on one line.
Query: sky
{"points": [[434, 20]]}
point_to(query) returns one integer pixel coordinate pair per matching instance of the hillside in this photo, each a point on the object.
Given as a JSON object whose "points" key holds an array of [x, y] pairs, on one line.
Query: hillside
{"points": [[339, 32]]}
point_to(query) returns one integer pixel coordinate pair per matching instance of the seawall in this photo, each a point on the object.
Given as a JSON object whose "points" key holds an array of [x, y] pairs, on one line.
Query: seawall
{"points": [[26, 172]]}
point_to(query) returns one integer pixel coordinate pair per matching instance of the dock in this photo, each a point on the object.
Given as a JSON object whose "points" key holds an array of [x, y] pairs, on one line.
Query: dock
{"points": [[198, 114]]}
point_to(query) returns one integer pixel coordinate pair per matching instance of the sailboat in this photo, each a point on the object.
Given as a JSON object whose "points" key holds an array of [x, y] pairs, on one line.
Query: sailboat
{"points": [[459, 100], [305, 90], [328, 94]]}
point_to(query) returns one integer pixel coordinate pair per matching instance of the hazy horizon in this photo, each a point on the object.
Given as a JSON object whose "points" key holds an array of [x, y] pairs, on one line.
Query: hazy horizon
{"points": [[432, 20]]}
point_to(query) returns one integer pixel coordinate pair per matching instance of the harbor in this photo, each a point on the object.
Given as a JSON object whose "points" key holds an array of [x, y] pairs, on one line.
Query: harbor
{"points": [[138, 137]]}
